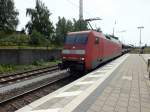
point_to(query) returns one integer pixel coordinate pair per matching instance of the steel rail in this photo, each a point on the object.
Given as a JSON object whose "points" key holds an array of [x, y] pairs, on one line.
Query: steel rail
{"points": [[30, 91], [28, 71], [26, 74]]}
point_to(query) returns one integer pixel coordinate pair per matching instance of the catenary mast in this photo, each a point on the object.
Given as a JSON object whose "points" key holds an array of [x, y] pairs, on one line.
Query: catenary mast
{"points": [[80, 9]]}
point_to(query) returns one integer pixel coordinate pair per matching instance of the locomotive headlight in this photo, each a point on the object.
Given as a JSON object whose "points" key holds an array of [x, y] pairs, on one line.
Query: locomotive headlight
{"points": [[64, 57], [82, 59]]}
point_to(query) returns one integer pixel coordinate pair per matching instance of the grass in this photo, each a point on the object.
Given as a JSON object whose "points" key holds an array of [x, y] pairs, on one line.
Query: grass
{"points": [[4, 69]]}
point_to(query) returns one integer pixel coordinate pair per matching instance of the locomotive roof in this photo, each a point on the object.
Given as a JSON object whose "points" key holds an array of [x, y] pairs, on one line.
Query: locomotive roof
{"points": [[80, 32], [109, 37]]}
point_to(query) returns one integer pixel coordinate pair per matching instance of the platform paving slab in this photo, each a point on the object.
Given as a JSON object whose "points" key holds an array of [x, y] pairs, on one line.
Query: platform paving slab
{"points": [[128, 91]]}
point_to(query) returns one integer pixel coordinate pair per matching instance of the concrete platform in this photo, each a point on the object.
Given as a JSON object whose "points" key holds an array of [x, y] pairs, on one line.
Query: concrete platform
{"points": [[120, 86], [129, 91]]}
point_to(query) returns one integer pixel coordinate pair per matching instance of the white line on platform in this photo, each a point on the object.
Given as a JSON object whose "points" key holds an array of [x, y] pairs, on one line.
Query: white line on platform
{"points": [[127, 77], [102, 70], [98, 72], [48, 110], [109, 66], [98, 76], [68, 94], [84, 83]]}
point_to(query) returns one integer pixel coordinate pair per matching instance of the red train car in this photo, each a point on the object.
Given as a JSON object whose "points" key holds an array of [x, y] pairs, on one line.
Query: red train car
{"points": [[85, 50]]}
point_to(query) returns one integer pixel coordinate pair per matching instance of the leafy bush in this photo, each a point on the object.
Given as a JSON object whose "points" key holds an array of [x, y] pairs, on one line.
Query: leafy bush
{"points": [[13, 39], [38, 63], [37, 38]]}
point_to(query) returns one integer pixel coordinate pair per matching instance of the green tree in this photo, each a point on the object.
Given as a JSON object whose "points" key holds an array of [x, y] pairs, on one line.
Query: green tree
{"points": [[8, 16], [37, 38], [80, 25], [40, 20], [63, 26]]}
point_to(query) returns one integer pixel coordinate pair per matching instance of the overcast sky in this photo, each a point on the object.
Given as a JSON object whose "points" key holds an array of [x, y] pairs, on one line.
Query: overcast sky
{"points": [[128, 14]]}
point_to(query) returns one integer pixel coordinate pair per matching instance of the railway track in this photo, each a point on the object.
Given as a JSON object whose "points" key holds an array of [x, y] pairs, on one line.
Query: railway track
{"points": [[25, 75], [16, 102]]}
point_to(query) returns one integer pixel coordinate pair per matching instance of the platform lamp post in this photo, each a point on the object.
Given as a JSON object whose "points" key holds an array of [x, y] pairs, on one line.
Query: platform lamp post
{"points": [[140, 28]]}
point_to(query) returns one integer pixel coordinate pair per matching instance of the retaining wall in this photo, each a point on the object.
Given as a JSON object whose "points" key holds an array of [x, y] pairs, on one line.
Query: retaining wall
{"points": [[27, 56]]}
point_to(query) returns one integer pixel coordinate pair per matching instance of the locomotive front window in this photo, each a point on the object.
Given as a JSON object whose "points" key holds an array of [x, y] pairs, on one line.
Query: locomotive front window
{"points": [[76, 39]]}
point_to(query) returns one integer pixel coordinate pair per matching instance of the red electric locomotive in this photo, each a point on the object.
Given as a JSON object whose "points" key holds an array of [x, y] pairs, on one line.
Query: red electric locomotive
{"points": [[85, 50]]}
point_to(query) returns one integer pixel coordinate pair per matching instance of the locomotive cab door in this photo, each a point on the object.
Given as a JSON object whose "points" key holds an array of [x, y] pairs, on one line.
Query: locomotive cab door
{"points": [[100, 50], [97, 52]]}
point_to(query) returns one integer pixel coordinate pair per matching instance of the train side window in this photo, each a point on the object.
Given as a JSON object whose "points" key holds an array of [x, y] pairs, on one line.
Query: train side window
{"points": [[97, 40]]}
